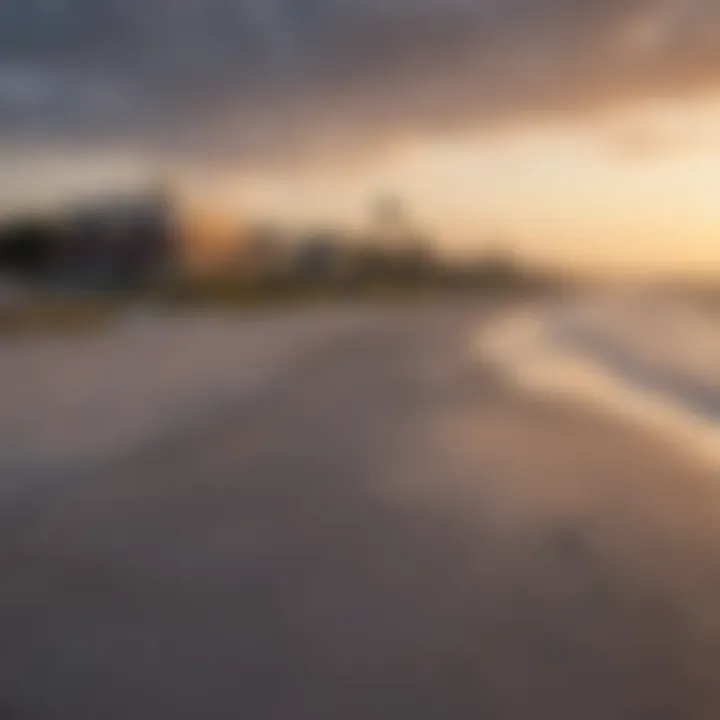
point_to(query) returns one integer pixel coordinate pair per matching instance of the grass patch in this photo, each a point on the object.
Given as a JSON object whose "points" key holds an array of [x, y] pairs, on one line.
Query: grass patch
{"points": [[229, 295], [59, 317]]}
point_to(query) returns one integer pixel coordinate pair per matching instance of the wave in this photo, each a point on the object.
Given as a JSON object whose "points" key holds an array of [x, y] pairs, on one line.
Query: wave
{"points": [[654, 362]]}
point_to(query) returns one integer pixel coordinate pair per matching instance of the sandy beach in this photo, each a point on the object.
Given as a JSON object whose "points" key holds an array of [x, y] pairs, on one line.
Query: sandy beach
{"points": [[382, 528]]}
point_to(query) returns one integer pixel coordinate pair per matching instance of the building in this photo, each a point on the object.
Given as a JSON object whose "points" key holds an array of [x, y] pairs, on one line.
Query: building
{"points": [[323, 256], [265, 252], [119, 240]]}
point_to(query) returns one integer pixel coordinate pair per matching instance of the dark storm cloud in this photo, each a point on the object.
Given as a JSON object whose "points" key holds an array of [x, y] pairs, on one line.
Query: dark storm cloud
{"points": [[261, 79]]}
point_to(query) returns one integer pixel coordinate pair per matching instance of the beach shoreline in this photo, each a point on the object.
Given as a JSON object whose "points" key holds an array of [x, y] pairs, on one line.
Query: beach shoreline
{"points": [[386, 525]]}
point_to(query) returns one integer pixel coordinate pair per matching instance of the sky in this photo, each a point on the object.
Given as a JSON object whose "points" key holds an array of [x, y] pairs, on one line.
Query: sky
{"points": [[583, 131]]}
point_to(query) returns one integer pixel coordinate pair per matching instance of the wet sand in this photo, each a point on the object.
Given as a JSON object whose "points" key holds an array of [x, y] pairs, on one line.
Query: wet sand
{"points": [[384, 531]]}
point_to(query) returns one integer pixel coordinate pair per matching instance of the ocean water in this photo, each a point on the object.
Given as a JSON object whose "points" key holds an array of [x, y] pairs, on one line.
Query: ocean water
{"points": [[652, 361]]}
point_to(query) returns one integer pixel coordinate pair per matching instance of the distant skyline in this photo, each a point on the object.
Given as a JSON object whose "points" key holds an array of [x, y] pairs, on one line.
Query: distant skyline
{"points": [[588, 132]]}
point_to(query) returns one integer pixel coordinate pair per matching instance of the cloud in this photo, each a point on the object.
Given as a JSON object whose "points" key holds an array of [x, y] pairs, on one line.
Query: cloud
{"points": [[258, 81]]}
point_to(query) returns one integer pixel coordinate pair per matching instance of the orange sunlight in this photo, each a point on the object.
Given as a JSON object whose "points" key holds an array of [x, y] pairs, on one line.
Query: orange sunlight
{"points": [[634, 189]]}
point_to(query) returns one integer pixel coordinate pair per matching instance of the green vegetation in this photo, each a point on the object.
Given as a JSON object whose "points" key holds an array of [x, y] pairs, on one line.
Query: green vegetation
{"points": [[76, 272], [223, 291]]}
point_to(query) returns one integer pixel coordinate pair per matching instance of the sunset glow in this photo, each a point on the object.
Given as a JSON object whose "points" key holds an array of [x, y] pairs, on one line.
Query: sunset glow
{"points": [[584, 134], [635, 189]]}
